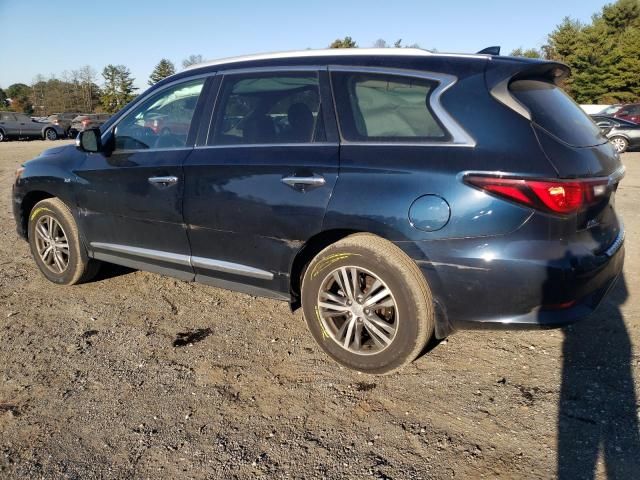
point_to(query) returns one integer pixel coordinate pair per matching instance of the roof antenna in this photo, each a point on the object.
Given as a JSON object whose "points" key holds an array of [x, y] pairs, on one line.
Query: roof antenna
{"points": [[495, 50]]}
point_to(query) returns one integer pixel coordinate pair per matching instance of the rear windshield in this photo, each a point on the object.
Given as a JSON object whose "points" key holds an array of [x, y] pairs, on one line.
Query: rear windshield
{"points": [[557, 113]]}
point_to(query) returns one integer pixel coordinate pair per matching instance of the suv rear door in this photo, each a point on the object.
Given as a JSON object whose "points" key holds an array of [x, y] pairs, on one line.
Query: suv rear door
{"points": [[258, 183]]}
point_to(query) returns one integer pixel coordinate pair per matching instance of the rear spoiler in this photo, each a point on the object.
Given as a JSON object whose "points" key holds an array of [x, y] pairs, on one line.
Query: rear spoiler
{"points": [[502, 71]]}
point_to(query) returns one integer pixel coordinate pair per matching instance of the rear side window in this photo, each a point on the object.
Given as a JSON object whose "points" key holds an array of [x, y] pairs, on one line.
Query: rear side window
{"points": [[378, 107], [269, 109], [553, 110]]}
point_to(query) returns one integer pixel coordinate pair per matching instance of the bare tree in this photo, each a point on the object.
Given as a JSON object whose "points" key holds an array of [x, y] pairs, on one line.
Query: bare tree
{"points": [[191, 60]]}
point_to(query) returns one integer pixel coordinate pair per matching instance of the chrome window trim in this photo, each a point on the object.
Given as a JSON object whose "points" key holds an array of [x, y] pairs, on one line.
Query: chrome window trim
{"points": [[138, 150], [346, 143], [265, 145], [502, 94], [148, 94], [186, 260], [459, 136]]}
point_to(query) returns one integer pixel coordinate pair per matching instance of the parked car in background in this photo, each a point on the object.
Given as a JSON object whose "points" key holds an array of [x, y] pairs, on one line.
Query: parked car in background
{"points": [[629, 112], [85, 121], [621, 133], [62, 120], [19, 125], [608, 109], [302, 176], [593, 109]]}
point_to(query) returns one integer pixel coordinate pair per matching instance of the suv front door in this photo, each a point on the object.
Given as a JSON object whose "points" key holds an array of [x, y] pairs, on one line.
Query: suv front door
{"points": [[257, 188], [130, 197]]}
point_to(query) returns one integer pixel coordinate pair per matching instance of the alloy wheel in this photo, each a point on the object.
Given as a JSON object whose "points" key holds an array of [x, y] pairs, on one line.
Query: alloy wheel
{"points": [[620, 144], [52, 244], [357, 310]]}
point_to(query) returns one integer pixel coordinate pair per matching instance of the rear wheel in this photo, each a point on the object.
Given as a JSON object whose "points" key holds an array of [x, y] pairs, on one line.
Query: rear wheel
{"points": [[55, 244], [50, 134], [367, 304], [620, 144]]}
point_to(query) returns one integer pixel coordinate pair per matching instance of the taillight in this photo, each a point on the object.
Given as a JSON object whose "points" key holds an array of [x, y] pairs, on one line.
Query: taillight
{"points": [[85, 122], [557, 196]]}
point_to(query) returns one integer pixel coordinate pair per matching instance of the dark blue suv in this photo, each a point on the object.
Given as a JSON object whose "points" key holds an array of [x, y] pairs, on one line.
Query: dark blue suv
{"points": [[394, 194]]}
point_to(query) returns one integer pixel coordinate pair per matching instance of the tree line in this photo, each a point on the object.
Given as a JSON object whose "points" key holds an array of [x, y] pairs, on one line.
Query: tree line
{"points": [[79, 90], [603, 54]]}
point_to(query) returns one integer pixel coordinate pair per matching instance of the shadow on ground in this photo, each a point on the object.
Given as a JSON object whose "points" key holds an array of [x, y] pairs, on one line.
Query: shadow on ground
{"points": [[598, 414]]}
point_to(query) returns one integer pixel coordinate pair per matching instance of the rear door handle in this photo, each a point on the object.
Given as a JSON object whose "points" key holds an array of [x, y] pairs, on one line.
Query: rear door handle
{"points": [[163, 181], [301, 183]]}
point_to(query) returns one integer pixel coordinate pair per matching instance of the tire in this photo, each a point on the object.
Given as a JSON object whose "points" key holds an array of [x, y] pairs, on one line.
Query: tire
{"points": [[50, 134], [2, 136], [621, 144], [53, 218], [405, 316]]}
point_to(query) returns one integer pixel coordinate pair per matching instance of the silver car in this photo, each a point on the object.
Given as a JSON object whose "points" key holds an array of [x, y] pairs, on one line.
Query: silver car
{"points": [[19, 125]]}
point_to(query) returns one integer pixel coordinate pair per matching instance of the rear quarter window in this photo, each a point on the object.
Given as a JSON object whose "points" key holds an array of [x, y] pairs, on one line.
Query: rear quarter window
{"points": [[380, 107], [554, 111]]}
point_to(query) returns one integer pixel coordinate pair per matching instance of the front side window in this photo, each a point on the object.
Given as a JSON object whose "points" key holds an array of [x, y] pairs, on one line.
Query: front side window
{"points": [[380, 107], [163, 121], [269, 109]]}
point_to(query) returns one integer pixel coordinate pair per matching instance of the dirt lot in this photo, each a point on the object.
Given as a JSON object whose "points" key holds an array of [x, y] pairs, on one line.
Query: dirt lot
{"points": [[140, 376]]}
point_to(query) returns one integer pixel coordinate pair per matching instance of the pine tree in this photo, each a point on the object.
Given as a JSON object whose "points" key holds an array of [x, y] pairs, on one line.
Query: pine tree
{"points": [[163, 69], [118, 88]]}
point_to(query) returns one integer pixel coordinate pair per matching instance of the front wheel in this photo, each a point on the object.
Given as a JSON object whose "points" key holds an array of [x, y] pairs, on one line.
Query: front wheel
{"points": [[56, 246], [620, 144], [2, 136], [367, 304]]}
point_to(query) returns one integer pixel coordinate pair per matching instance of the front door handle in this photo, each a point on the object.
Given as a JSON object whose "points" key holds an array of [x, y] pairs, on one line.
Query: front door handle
{"points": [[163, 181], [302, 183]]}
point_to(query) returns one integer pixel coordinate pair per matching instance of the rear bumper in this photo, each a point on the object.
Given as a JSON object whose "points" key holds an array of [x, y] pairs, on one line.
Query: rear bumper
{"points": [[497, 283]]}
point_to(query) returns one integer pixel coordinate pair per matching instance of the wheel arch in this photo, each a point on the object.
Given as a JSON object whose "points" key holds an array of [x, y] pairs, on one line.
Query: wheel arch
{"points": [[43, 132], [322, 240], [621, 135], [309, 250], [26, 207]]}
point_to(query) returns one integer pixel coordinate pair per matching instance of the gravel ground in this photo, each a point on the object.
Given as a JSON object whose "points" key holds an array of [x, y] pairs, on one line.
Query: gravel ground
{"points": [[139, 376]]}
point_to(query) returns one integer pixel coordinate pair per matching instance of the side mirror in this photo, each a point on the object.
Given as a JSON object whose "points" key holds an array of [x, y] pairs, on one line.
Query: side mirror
{"points": [[89, 140]]}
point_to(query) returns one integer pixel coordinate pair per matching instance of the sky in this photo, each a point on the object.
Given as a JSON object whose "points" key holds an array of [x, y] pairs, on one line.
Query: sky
{"points": [[41, 37]]}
